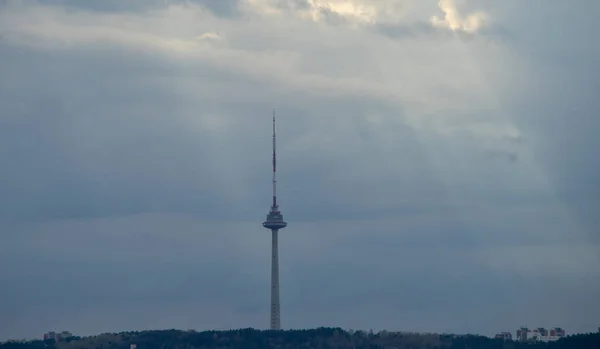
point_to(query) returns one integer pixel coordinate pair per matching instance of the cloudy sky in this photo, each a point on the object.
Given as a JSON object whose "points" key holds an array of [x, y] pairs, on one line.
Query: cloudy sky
{"points": [[438, 164]]}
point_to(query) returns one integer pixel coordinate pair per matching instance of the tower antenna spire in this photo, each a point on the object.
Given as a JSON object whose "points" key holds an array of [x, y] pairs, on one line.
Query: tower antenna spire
{"points": [[274, 208]]}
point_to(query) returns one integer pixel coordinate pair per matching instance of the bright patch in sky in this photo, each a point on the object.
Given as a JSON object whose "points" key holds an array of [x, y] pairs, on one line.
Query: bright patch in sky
{"points": [[453, 20]]}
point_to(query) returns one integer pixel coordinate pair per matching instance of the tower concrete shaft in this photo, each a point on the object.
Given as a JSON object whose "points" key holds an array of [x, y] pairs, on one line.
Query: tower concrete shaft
{"points": [[275, 305]]}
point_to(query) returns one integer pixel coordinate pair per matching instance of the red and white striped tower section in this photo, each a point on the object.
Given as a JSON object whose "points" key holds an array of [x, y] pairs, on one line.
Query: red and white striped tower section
{"points": [[275, 222]]}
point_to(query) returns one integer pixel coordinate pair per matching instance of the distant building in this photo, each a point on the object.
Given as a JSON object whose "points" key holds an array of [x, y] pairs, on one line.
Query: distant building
{"points": [[540, 334], [522, 333], [57, 336], [557, 332]]}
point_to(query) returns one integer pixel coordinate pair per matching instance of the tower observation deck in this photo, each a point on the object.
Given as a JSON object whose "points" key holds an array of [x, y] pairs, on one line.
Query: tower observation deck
{"points": [[274, 222]]}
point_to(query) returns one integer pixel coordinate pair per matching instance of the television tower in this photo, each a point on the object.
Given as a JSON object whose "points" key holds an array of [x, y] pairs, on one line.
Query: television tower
{"points": [[274, 222]]}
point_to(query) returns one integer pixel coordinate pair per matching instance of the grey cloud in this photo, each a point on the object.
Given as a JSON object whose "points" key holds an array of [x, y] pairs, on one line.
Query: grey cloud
{"points": [[495, 32], [510, 157], [70, 142], [226, 8], [128, 170], [565, 76], [332, 17], [400, 31], [325, 13], [293, 5]]}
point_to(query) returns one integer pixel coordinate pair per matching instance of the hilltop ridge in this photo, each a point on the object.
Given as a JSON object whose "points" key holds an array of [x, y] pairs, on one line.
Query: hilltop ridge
{"points": [[320, 338]]}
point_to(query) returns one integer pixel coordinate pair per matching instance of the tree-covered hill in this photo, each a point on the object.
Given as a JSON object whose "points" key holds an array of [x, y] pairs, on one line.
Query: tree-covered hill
{"points": [[321, 338]]}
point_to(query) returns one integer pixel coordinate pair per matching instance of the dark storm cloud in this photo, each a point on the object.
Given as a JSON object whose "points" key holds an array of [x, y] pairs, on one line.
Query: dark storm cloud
{"points": [[135, 178], [225, 8], [95, 170], [65, 158]]}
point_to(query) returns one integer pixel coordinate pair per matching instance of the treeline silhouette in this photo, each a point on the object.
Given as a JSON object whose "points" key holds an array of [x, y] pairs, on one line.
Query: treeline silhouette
{"points": [[320, 338]]}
